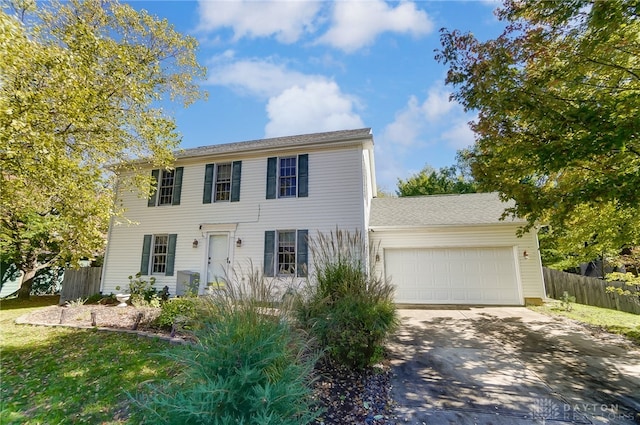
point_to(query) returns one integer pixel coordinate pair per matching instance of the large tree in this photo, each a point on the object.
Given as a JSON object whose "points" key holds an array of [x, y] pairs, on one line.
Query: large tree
{"points": [[429, 181], [558, 127], [81, 86]]}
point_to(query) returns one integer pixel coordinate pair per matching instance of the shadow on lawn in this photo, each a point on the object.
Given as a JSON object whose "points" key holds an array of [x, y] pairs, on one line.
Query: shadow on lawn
{"points": [[33, 302], [75, 376]]}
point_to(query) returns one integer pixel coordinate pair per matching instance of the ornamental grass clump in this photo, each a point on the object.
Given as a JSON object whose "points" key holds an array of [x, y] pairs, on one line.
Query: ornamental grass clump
{"points": [[248, 366], [347, 307]]}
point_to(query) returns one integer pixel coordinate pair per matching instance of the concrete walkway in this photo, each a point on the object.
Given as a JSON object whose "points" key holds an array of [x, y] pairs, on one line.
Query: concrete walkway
{"points": [[511, 365]]}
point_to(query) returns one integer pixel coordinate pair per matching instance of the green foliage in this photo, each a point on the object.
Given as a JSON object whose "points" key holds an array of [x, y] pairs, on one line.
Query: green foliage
{"points": [[614, 321], [566, 302], [178, 310], [431, 182], [77, 302], [143, 293], [557, 96], [631, 281], [348, 310], [80, 85], [249, 366]]}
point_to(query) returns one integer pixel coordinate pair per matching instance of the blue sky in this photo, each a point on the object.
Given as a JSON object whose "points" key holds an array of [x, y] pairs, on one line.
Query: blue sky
{"points": [[278, 68]]}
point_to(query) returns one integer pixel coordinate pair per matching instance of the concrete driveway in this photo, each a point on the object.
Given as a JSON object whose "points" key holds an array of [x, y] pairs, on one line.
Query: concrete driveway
{"points": [[510, 365]]}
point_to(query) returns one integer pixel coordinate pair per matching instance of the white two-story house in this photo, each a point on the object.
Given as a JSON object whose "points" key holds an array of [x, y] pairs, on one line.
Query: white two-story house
{"points": [[223, 209]]}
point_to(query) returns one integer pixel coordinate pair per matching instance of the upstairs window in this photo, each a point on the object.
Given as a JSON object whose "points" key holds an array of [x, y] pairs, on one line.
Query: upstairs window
{"points": [[168, 187], [288, 177], [165, 187], [222, 182], [287, 173]]}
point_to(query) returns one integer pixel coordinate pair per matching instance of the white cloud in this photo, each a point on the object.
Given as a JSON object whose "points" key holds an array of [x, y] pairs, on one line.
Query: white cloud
{"points": [[315, 107], [261, 78], [460, 136], [422, 132], [410, 122], [286, 20], [356, 24]]}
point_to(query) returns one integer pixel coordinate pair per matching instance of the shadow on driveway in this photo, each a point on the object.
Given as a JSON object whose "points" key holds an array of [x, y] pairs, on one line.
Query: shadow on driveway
{"points": [[510, 365]]}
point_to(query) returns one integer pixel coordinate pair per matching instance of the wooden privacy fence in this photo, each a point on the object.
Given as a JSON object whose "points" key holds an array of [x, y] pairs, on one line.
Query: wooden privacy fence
{"points": [[588, 290], [80, 283]]}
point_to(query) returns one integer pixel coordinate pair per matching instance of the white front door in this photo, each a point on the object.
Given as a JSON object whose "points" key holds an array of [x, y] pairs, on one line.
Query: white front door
{"points": [[217, 260]]}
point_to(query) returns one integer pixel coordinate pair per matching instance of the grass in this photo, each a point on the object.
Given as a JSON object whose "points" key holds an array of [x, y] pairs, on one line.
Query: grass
{"points": [[614, 321], [61, 375]]}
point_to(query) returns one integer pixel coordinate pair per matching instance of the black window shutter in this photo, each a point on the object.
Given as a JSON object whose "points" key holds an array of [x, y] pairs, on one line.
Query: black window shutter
{"points": [[301, 254], [208, 184], [171, 254], [303, 176], [272, 176], [155, 174], [146, 253], [177, 186], [269, 248], [235, 181]]}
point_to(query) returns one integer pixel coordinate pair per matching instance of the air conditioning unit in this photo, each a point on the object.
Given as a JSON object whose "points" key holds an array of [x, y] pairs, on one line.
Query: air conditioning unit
{"points": [[187, 281]]}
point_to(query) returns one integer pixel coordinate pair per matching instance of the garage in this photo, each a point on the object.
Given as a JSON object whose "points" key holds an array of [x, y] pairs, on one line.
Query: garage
{"points": [[455, 249], [467, 275]]}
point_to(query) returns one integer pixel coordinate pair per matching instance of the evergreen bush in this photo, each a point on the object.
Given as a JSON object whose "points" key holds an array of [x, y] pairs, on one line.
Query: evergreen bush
{"points": [[249, 365]]}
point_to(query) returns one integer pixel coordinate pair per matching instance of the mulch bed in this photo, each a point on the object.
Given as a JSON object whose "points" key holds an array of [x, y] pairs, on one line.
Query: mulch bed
{"points": [[348, 396]]}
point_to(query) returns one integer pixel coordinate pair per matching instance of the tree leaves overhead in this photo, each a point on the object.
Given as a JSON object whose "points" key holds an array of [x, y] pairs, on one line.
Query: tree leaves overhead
{"points": [[558, 101], [80, 87]]}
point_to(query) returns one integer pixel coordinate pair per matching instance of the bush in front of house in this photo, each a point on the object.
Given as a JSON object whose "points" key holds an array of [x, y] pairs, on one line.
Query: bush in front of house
{"points": [[347, 307], [249, 365], [181, 311]]}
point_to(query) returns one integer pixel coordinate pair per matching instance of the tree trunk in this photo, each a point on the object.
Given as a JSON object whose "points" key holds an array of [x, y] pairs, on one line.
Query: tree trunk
{"points": [[27, 283]]}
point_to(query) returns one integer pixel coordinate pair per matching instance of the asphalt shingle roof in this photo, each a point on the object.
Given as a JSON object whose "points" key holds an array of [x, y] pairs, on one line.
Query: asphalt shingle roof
{"points": [[277, 142], [439, 210]]}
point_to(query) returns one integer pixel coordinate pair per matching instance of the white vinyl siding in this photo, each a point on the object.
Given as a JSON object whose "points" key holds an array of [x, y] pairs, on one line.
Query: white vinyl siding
{"points": [[324, 209]]}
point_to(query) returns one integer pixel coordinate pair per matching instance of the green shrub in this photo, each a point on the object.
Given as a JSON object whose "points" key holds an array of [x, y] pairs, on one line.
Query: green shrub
{"points": [[95, 298], [347, 308], [181, 310], [249, 366]]}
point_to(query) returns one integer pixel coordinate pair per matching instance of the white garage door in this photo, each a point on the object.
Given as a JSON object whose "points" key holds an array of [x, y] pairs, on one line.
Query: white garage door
{"points": [[453, 275]]}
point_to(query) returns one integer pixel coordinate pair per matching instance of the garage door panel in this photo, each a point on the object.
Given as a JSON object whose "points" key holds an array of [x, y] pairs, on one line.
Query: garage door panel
{"points": [[453, 275]]}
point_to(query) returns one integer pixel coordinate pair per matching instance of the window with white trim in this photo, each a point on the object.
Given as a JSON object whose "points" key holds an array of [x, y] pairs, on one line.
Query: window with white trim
{"points": [[159, 256], [287, 177], [223, 182], [286, 258], [165, 187]]}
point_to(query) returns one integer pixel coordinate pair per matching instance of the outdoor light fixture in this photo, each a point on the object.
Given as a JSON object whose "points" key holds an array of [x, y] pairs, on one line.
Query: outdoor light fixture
{"points": [[377, 258], [525, 254], [195, 243], [239, 243]]}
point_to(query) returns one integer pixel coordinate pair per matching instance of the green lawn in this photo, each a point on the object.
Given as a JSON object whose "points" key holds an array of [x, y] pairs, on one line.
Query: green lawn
{"points": [[614, 321], [65, 376]]}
